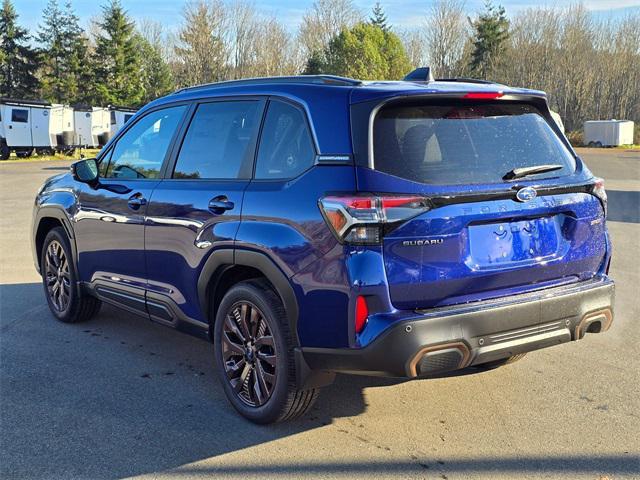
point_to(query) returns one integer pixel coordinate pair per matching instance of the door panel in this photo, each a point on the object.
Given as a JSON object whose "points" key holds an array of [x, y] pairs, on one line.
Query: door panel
{"points": [[110, 232], [182, 231]]}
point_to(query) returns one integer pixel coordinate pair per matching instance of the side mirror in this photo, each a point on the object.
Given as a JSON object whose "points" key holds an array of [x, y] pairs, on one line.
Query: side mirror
{"points": [[85, 171]]}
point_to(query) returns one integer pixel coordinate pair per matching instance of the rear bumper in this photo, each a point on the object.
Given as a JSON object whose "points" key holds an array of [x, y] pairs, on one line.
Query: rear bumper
{"points": [[453, 338]]}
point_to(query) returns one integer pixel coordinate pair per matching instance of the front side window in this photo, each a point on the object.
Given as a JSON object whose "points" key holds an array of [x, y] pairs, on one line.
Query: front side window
{"points": [[140, 152], [218, 143], [454, 143], [19, 115], [286, 147]]}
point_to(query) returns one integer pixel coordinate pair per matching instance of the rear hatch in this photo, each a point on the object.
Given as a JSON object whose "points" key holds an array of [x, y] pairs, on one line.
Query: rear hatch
{"points": [[494, 225]]}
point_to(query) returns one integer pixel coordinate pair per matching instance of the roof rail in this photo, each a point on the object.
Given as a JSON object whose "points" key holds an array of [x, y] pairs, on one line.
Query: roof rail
{"points": [[464, 80], [297, 79]]}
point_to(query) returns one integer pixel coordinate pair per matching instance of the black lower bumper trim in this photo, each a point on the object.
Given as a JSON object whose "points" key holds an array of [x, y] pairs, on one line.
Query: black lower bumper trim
{"points": [[476, 334]]}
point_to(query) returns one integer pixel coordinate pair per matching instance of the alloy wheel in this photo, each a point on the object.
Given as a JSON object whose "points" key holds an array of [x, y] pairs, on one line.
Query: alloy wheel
{"points": [[249, 353], [58, 276]]}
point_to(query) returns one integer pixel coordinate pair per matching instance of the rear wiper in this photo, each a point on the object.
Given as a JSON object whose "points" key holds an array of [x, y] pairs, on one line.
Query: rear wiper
{"points": [[526, 171]]}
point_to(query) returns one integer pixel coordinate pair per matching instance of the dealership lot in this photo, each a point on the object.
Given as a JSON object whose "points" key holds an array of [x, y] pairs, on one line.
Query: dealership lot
{"points": [[119, 396]]}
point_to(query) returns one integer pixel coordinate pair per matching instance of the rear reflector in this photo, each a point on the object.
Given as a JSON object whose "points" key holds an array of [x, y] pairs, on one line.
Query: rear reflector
{"points": [[483, 95], [362, 312]]}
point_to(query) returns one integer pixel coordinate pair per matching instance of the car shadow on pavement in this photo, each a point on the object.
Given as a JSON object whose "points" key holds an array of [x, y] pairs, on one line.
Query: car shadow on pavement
{"points": [[120, 396], [624, 206]]}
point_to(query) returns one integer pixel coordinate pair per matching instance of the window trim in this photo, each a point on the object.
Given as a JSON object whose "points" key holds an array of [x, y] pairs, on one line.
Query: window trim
{"points": [[311, 131], [253, 144], [107, 153]]}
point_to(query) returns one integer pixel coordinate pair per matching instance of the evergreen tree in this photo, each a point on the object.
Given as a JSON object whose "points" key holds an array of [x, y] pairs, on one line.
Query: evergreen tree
{"points": [[366, 52], [64, 60], [379, 18], [18, 61], [80, 79], [118, 63], [156, 74], [491, 32]]}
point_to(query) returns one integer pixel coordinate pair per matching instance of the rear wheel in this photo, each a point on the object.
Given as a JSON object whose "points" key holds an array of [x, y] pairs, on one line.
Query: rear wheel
{"points": [[59, 278], [254, 355]]}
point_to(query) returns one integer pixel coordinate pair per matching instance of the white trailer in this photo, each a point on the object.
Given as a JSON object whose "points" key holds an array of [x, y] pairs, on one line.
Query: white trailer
{"points": [[91, 126], [24, 126], [608, 133], [62, 127], [119, 116]]}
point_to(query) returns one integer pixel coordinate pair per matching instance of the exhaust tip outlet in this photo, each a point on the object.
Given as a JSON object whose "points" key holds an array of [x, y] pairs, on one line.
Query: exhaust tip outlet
{"points": [[439, 359], [594, 322]]}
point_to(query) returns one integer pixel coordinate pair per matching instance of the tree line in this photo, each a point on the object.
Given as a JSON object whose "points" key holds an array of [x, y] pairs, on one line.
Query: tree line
{"points": [[590, 69]]}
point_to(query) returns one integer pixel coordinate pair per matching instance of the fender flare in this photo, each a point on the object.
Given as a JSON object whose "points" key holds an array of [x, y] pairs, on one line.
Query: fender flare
{"points": [[222, 259], [56, 212]]}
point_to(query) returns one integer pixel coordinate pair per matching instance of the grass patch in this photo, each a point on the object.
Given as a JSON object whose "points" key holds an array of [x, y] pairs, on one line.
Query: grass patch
{"points": [[87, 152]]}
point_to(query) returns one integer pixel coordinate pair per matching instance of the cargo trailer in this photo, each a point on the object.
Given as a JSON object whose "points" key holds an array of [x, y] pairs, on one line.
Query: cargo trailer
{"points": [[608, 133]]}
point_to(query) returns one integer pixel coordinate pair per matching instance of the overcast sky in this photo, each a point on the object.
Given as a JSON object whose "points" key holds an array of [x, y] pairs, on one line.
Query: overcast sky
{"points": [[401, 13]]}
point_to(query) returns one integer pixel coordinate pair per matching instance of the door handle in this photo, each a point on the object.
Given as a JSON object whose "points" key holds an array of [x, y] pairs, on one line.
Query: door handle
{"points": [[220, 204], [136, 201]]}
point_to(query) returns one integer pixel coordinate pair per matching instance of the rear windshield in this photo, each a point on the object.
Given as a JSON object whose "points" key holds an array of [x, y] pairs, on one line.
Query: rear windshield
{"points": [[465, 143]]}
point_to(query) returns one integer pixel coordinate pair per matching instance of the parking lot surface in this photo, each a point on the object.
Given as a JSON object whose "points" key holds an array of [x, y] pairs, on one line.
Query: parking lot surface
{"points": [[122, 397]]}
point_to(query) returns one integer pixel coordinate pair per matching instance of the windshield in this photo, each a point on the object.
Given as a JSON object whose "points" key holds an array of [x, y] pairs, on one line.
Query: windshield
{"points": [[466, 143]]}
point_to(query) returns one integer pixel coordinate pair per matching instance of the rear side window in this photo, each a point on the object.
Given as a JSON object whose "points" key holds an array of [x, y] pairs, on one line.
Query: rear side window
{"points": [[19, 115], [219, 141], [465, 143], [286, 148]]}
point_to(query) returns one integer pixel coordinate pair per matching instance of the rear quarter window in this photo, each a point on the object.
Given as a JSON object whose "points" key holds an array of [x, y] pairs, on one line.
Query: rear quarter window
{"points": [[463, 143]]}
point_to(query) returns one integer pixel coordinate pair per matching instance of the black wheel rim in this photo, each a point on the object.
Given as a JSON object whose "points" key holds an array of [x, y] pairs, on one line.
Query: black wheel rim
{"points": [[249, 354], [57, 276]]}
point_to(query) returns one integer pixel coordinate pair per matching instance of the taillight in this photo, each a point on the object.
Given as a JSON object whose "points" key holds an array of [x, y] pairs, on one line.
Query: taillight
{"points": [[598, 190], [364, 220]]}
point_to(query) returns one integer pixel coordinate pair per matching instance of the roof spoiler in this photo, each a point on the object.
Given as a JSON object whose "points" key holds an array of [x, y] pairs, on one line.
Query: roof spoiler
{"points": [[420, 74]]}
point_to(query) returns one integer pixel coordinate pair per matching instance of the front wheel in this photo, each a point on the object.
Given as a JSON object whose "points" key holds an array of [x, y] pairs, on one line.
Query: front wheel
{"points": [[254, 355], [59, 278]]}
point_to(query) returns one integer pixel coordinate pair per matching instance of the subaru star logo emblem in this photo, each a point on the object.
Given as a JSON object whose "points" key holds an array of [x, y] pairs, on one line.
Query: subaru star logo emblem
{"points": [[526, 194]]}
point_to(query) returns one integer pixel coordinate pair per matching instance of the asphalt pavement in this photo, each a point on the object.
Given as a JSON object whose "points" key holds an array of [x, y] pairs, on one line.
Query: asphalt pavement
{"points": [[122, 397]]}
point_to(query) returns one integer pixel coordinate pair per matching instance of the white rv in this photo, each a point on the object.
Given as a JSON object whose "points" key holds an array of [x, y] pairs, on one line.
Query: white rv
{"points": [[24, 126], [91, 125], [608, 133], [119, 116]]}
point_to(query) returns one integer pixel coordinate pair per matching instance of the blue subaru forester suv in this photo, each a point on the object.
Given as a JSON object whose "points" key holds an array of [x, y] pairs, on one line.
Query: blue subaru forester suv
{"points": [[314, 225]]}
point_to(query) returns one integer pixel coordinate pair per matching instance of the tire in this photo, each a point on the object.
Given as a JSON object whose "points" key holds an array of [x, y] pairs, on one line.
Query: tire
{"points": [[598, 144], [4, 151], [591, 144], [59, 279], [265, 363]]}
